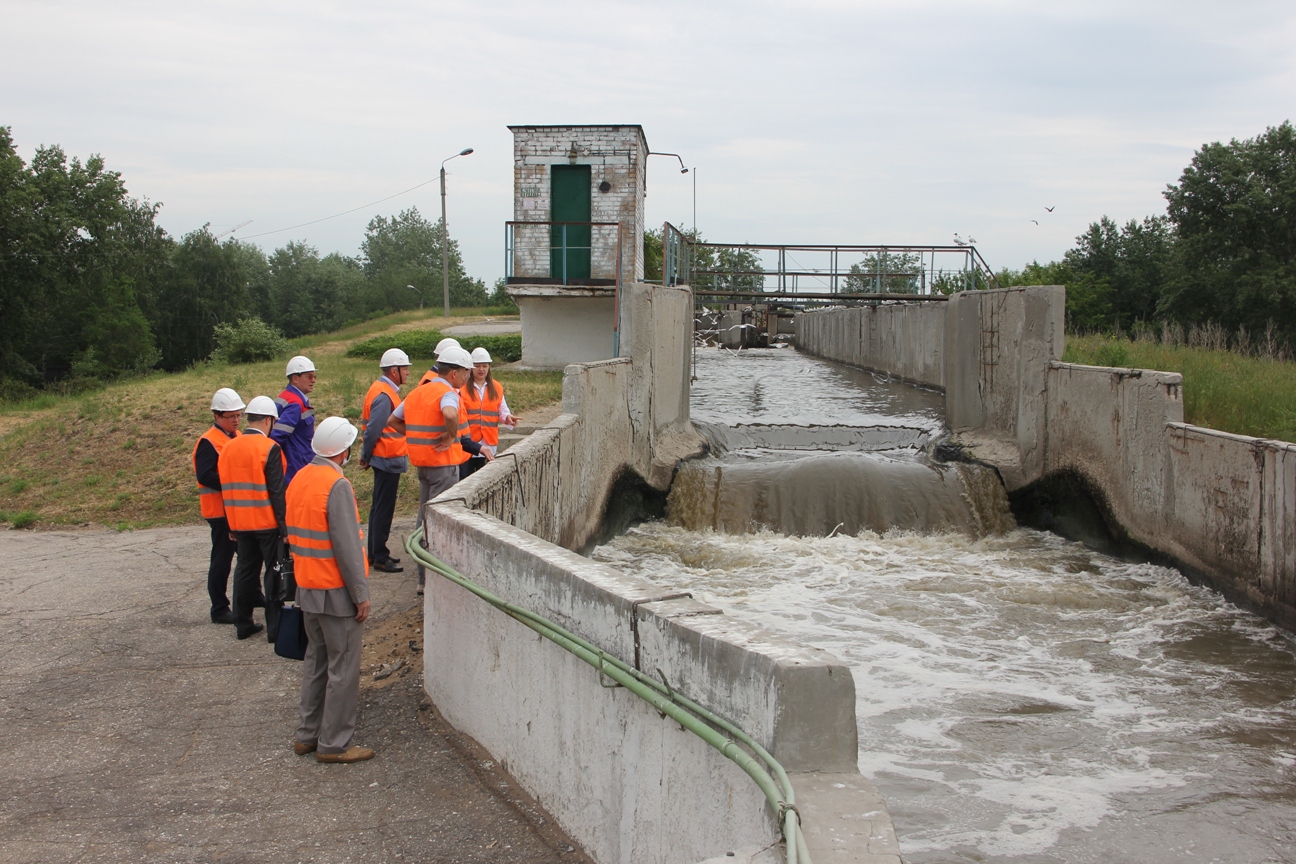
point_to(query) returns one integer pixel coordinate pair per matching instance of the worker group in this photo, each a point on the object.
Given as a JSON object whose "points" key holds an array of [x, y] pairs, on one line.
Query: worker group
{"points": [[275, 496]]}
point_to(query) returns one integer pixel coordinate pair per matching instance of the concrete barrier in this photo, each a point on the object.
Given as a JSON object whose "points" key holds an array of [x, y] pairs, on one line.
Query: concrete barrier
{"points": [[627, 784], [906, 340], [1221, 506]]}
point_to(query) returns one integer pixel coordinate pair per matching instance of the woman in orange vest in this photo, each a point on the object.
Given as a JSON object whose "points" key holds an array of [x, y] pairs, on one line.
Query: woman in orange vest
{"points": [[431, 421], [252, 469], [227, 408], [485, 411], [333, 593]]}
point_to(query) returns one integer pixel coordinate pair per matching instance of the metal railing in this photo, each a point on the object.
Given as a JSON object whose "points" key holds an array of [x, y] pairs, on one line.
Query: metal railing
{"points": [[818, 271], [563, 253]]}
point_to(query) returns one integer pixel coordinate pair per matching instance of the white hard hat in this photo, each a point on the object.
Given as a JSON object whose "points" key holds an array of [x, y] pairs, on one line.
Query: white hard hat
{"points": [[226, 399], [393, 357], [481, 355], [453, 355], [263, 406], [333, 436], [298, 365], [444, 344]]}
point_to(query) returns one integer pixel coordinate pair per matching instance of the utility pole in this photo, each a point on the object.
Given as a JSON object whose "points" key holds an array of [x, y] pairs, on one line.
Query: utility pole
{"points": [[445, 245]]}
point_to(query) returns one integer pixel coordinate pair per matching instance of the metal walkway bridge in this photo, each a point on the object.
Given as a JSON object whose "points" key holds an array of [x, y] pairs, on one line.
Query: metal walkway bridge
{"points": [[819, 273]]}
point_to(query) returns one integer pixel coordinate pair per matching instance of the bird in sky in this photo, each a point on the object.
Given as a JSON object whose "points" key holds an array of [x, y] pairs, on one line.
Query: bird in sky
{"points": [[1050, 209], [1035, 221]]}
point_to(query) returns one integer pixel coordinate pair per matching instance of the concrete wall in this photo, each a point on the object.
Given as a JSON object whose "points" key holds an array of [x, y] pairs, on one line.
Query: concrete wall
{"points": [[564, 325], [626, 784], [1224, 506], [903, 339]]}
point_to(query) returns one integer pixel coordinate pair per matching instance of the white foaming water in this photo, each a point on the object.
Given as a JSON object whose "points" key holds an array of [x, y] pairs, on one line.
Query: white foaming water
{"points": [[1021, 698]]}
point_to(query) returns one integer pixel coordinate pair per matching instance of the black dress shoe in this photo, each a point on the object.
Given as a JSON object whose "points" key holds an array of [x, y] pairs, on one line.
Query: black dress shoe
{"points": [[256, 628], [226, 617], [388, 566]]}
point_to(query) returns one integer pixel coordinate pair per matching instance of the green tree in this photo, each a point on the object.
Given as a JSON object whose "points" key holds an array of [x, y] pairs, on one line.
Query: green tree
{"points": [[406, 250], [1131, 262], [207, 284], [1234, 213], [73, 248], [886, 273], [309, 294]]}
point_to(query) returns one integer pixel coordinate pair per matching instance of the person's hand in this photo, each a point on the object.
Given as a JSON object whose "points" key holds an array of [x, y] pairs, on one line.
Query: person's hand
{"points": [[362, 611], [364, 464], [490, 457], [233, 537]]}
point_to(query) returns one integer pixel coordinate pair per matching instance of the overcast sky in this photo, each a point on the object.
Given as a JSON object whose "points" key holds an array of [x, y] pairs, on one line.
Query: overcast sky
{"points": [[817, 121]]}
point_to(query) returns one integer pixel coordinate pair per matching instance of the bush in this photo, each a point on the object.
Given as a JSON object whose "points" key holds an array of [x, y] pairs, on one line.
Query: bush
{"points": [[24, 519], [249, 341], [419, 344]]}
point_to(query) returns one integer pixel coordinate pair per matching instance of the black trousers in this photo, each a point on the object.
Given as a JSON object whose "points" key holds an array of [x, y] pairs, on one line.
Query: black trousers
{"points": [[386, 485], [218, 569], [258, 551], [472, 466]]}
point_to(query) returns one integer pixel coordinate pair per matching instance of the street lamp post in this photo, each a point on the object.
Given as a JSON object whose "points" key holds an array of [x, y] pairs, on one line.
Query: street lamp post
{"points": [[683, 170], [417, 291], [445, 246]]}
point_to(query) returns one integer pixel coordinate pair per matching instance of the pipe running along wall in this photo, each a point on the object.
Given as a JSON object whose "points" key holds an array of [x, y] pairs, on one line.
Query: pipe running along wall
{"points": [[622, 780]]}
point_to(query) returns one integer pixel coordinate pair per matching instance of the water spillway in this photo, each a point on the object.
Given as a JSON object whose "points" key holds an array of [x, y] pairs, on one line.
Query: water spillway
{"points": [[1021, 698]]}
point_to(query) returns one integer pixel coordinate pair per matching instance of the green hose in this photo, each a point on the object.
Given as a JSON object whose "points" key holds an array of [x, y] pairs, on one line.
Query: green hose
{"points": [[687, 713]]}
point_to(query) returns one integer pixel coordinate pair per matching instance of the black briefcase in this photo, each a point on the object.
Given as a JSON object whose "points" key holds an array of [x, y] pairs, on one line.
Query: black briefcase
{"points": [[291, 640]]}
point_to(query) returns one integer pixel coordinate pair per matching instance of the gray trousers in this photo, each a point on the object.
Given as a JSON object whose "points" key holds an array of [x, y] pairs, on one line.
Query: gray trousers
{"points": [[432, 482], [330, 694]]}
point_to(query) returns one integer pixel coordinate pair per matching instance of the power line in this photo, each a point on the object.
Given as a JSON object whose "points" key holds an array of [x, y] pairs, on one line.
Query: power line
{"points": [[336, 215]]}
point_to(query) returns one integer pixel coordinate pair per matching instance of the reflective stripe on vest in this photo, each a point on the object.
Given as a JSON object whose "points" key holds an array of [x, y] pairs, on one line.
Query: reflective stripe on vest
{"points": [[282, 401], [482, 416], [425, 423], [209, 500], [391, 444], [243, 483], [314, 564]]}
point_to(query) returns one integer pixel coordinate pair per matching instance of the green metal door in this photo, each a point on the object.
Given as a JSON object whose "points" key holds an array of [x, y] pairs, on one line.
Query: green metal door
{"points": [[569, 245]]}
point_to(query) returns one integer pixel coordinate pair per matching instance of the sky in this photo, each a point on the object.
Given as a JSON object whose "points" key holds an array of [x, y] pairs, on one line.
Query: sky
{"points": [[816, 121]]}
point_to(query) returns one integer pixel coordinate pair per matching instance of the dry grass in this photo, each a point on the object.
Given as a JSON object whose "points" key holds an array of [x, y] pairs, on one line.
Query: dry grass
{"points": [[121, 456]]}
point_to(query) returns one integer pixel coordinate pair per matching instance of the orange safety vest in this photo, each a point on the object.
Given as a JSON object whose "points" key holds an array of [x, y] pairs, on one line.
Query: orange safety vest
{"points": [[483, 416], [424, 424], [392, 443], [209, 500], [243, 483], [314, 564]]}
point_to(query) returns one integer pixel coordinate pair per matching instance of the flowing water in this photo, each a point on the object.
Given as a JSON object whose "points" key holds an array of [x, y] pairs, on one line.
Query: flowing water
{"points": [[1020, 697]]}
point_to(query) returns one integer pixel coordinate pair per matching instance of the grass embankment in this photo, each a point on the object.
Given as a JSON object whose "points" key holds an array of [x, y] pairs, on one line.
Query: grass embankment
{"points": [[1222, 390], [121, 456]]}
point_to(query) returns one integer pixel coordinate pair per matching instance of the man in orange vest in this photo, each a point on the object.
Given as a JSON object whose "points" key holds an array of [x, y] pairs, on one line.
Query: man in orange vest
{"points": [[252, 488], [227, 409], [333, 593], [431, 421], [385, 452]]}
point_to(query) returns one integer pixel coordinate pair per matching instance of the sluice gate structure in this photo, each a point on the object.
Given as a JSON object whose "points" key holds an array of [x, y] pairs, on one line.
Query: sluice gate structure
{"points": [[624, 779], [1220, 506]]}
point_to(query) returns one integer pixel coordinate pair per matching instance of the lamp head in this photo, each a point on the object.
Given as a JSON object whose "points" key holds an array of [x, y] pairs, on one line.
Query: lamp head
{"points": [[465, 151]]}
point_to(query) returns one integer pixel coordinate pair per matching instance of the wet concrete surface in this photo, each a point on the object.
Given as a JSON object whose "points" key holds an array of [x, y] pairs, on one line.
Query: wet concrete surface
{"points": [[135, 730]]}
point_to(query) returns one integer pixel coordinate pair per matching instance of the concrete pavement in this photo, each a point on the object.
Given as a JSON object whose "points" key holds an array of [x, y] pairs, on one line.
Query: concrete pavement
{"points": [[137, 731]]}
